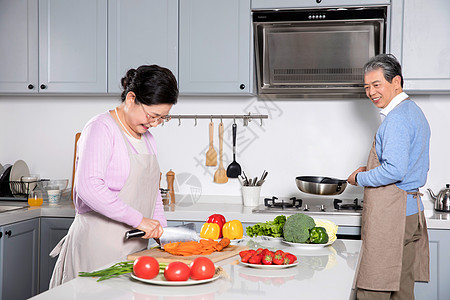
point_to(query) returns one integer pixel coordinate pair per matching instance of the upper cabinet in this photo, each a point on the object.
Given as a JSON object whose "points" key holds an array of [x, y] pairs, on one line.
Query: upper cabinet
{"points": [[215, 47], [53, 46], [19, 50], [141, 32], [420, 39]]}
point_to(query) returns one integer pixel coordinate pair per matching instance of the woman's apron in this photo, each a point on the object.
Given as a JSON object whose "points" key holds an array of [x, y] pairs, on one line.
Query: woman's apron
{"points": [[94, 240], [382, 234]]}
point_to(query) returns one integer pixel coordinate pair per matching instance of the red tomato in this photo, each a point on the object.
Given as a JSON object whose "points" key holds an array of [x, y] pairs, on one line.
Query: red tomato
{"points": [[177, 271], [146, 267], [202, 268]]}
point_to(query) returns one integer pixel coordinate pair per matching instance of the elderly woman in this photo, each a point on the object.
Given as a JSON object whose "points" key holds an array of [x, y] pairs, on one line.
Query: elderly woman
{"points": [[116, 185]]}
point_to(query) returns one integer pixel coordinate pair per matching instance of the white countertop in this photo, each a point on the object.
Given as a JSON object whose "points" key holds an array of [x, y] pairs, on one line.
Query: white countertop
{"points": [[200, 212], [325, 273]]}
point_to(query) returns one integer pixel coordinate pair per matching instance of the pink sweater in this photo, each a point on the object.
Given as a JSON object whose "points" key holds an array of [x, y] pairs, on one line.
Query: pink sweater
{"points": [[102, 167]]}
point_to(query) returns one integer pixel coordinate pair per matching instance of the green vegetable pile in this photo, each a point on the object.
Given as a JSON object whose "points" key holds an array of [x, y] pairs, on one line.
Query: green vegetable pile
{"points": [[301, 228], [270, 228], [115, 270]]}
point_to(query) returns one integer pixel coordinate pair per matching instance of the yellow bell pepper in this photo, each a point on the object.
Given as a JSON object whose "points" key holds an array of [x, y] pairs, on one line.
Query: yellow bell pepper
{"points": [[233, 230], [210, 231]]}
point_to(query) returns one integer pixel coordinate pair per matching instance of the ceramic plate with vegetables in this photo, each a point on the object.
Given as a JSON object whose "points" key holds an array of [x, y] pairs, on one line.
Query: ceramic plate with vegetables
{"points": [[147, 269]]}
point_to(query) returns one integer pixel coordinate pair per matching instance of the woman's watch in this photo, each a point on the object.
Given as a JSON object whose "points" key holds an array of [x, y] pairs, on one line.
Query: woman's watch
{"points": [[356, 178]]}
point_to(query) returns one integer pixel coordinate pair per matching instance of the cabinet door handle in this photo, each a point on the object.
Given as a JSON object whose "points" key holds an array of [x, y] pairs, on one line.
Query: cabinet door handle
{"points": [[242, 86], [1, 234], [8, 232], [43, 86], [30, 86]]}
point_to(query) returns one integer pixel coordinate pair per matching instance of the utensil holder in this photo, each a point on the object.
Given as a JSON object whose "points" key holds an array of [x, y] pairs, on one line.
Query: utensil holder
{"points": [[251, 195]]}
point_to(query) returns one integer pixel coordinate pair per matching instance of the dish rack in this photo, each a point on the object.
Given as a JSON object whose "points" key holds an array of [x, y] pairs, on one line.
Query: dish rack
{"points": [[16, 190]]}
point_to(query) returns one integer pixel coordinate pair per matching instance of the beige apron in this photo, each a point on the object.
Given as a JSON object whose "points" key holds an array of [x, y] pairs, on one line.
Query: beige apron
{"points": [[94, 240], [382, 234]]}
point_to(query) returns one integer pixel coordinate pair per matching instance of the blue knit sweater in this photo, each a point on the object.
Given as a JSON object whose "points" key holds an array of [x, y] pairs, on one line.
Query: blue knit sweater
{"points": [[402, 145]]}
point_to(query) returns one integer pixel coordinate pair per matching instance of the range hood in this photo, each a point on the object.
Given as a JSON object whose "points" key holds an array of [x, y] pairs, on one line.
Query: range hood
{"points": [[316, 53]]}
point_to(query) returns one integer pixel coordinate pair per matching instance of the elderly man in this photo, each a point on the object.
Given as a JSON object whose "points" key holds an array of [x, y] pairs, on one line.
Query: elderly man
{"points": [[395, 250]]}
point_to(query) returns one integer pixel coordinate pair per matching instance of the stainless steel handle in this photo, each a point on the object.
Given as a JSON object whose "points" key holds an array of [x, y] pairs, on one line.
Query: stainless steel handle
{"points": [[134, 233]]}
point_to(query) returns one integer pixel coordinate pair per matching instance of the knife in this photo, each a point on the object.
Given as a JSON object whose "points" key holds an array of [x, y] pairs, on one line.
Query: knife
{"points": [[181, 233]]}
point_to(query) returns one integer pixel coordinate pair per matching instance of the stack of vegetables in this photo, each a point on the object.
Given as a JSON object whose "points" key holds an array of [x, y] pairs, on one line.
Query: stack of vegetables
{"points": [[217, 227], [301, 228]]}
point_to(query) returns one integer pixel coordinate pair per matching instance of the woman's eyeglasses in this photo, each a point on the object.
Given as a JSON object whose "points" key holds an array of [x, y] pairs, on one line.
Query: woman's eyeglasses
{"points": [[154, 117]]}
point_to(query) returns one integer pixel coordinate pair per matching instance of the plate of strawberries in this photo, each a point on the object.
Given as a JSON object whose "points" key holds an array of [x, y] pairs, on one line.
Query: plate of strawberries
{"points": [[263, 258]]}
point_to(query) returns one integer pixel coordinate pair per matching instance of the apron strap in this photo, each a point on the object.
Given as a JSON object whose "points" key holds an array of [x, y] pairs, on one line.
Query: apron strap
{"points": [[417, 196]]}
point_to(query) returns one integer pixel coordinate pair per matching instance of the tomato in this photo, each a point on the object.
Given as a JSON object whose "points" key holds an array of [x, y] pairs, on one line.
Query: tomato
{"points": [[146, 267], [177, 271], [202, 268]]}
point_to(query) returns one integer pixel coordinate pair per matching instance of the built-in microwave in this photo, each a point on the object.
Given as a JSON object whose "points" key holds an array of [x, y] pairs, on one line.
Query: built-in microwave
{"points": [[306, 53]]}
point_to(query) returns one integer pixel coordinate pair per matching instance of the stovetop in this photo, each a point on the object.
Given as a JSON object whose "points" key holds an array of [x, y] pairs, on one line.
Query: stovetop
{"points": [[310, 206]]}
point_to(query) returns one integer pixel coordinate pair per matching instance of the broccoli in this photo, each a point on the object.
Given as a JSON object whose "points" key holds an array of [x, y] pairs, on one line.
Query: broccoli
{"points": [[296, 229]]}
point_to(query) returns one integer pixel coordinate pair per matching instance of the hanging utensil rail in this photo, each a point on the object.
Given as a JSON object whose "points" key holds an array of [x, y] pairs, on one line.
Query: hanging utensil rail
{"points": [[246, 118]]}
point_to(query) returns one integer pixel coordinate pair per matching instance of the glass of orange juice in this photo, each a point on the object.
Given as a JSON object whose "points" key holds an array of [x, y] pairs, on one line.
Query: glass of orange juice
{"points": [[35, 198]]}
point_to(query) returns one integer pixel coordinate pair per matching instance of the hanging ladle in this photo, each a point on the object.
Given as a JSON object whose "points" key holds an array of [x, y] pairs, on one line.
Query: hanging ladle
{"points": [[234, 169]]}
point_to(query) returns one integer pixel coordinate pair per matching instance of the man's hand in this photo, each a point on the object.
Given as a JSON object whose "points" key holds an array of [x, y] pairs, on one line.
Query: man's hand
{"points": [[351, 178], [151, 227]]}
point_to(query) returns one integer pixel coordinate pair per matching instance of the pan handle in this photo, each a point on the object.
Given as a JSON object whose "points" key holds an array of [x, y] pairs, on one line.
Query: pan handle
{"points": [[134, 233]]}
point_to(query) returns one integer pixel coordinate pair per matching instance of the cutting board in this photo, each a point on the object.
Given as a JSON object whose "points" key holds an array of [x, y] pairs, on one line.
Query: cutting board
{"points": [[165, 257]]}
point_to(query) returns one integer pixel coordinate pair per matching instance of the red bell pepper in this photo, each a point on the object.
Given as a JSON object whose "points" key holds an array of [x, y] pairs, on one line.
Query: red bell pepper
{"points": [[217, 219]]}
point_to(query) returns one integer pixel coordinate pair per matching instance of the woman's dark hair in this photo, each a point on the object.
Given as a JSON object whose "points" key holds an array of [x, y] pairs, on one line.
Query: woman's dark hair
{"points": [[152, 85], [388, 63]]}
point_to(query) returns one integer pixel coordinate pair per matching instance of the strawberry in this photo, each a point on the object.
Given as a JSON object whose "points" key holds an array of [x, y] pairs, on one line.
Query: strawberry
{"points": [[289, 258], [242, 253], [259, 250], [278, 258], [246, 257], [267, 258], [255, 259]]}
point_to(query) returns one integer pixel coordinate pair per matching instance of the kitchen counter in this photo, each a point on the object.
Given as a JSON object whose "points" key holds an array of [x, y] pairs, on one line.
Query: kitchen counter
{"points": [[324, 273], [199, 212]]}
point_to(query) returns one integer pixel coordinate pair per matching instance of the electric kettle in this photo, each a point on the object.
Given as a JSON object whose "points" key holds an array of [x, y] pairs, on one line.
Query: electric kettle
{"points": [[442, 200]]}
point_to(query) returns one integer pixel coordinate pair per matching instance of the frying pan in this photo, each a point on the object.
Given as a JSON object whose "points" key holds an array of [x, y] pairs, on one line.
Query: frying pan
{"points": [[319, 185]]}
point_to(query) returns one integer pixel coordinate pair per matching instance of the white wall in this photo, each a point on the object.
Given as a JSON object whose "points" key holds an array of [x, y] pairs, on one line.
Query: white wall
{"points": [[304, 137]]}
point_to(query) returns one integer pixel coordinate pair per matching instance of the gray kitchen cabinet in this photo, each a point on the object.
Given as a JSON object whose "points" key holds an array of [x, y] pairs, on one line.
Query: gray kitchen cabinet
{"points": [[274, 4], [438, 288], [53, 46], [52, 231], [215, 47], [19, 50], [19, 260], [420, 39], [141, 32]]}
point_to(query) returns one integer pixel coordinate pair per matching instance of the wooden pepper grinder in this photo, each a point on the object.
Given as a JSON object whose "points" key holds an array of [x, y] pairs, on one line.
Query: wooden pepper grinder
{"points": [[170, 178]]}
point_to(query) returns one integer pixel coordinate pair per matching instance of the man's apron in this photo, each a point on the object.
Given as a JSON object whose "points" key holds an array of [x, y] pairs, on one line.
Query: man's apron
{"points": [[94, 240], [382, 234]]}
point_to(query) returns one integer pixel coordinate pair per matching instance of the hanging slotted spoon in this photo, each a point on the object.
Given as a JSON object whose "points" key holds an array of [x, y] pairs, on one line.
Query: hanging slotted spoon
{"points": [[234, 169]]}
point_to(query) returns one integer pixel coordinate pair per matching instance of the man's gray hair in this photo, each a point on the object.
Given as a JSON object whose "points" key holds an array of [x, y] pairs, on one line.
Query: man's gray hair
{"points": [[388, 63]]}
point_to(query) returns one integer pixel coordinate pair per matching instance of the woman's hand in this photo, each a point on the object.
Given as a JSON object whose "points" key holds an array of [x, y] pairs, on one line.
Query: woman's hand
{"points": [[351, 179], [151, 227]]}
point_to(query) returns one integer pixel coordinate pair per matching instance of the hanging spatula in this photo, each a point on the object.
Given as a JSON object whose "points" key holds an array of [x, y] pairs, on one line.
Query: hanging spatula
{"points": [[211, 154], [221, 174]]}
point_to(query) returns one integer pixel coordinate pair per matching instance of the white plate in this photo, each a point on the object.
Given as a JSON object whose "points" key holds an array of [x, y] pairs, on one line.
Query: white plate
{"points": [[271, 238], [269, 267], [237, 241], [18, 170], [160, 280], [307, 246]]}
